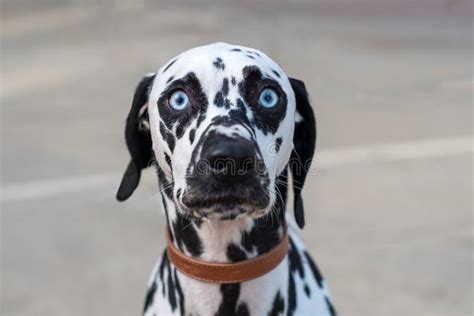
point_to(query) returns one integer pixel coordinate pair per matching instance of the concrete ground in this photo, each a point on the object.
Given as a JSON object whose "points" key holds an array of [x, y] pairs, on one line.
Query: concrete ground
{"points": [[389, 209]]}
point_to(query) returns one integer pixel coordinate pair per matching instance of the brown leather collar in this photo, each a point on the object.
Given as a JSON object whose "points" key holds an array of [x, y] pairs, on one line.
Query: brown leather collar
{"points": [[223, 273]]}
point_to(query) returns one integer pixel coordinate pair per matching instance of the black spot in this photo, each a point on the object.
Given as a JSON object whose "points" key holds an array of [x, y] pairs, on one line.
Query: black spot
{"points": [[278, 306], [235, 253], [276, 73], [169, 65], [201, 118], [219, 64], [171, 290], [296, 262], [257, 54], [307, 290], [219, 99], [278, 142], [171, 142], [225, 87], [262, 237], [179, 290], [243, 310], [149, 296], [235, 50], [314, 269], [233, 81], [230, 296], [291, 295], [250, 56], [164, 263], [168, 161], [170, 79], [241, 105], [167, 136], [192, 134], [186, 234], [227, 103], [331, 309]]}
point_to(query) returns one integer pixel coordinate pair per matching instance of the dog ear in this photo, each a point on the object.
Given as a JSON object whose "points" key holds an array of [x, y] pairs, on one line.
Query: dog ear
{"points": [[304, 141], [138, 138]]}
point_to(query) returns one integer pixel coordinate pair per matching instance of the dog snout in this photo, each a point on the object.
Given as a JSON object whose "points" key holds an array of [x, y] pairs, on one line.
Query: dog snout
{"points": [[229, 157]]}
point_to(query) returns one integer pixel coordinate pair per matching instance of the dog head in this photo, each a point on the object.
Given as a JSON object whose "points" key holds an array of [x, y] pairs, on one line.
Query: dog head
{"points": [[222, 122]]}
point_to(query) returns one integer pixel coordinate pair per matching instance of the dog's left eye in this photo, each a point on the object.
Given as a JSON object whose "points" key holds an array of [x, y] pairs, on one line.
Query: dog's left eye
{"points": [[268, 98], [179, 100]]}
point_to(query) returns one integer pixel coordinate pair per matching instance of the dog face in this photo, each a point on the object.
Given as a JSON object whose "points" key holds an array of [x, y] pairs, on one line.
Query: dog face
{"points": [[220, 121]]}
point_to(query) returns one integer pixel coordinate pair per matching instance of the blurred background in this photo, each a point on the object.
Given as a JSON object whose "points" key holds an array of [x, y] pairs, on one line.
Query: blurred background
{"points": [[389, 210]]}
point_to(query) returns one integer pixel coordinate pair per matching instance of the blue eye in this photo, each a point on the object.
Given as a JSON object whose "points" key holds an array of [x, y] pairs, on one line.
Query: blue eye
{"points": [[268, 98], [179, 100]]}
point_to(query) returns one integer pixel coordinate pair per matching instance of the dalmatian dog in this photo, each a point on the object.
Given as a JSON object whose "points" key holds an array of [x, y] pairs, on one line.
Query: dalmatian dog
{"points": [[207, 107]]}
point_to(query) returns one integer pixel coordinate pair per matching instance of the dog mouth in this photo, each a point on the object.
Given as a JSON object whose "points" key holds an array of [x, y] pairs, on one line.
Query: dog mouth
{"points": [[225, 206]]}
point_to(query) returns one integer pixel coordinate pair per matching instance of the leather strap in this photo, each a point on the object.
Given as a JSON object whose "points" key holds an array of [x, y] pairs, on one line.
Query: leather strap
{"points": [[224, 273]]}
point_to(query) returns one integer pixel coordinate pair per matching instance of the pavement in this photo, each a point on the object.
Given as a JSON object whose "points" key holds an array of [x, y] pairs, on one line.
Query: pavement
{"points": [[389, 207]]}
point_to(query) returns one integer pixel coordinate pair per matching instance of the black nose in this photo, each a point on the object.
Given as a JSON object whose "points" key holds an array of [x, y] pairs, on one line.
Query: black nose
{"points": [[229, 157]]}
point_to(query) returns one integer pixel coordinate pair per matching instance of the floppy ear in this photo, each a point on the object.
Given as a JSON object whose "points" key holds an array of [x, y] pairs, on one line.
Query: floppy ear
{"points": [[138, 138], [304, 141]]}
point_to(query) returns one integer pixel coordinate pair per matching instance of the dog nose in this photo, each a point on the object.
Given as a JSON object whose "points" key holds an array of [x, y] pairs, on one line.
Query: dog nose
{"points": [[229, 156]]}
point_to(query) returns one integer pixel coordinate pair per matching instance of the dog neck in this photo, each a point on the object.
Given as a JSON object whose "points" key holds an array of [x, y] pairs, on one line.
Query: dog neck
{"points": [[224, 240]]}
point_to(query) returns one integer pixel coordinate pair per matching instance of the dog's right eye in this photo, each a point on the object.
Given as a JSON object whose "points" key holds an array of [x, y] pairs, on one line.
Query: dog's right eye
{"points": [[179, 100]]}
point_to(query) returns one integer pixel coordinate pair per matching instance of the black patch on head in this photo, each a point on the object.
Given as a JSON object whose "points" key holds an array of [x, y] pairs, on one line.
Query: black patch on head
{"points": [[278, 142], [257, 54], [235, 50], [219, 64], [191, 85], [170, 64], [314, 269], [170, 79], [235, 253], [276, 73], [233, 81], [219, 99], [241, 105], [168, 161], [171, 142], [201, 118], [307, 290], [225, 87], [167, 137], [278, 306], [267, 120], [192, 134], [250, 56]]}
